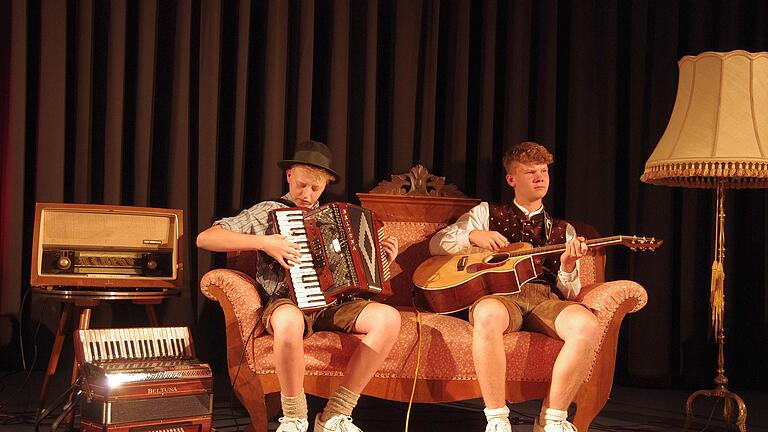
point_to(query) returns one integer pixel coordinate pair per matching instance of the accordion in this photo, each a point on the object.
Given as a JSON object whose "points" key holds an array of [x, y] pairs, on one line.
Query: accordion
{"points": [[341, 251], [143, 379]]}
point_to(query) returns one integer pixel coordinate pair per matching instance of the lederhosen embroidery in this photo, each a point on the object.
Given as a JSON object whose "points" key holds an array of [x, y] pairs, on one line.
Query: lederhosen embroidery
{"points": [[539, 230]]}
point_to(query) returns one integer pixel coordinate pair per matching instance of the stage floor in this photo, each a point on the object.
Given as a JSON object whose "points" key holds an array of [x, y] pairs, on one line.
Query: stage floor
{"points": [[629, 409]]}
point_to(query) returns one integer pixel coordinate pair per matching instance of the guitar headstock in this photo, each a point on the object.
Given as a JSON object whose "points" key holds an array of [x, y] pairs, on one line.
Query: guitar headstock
{"points": [[641, 243]]}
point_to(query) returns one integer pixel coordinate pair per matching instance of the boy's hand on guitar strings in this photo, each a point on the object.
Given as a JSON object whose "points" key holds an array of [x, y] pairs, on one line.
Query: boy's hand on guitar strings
{"points": [[491, 240]]}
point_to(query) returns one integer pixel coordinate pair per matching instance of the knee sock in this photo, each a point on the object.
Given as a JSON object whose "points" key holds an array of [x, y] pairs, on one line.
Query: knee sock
{"points": [[294, 406], [551, 415], [492, 413], [342, 401]]}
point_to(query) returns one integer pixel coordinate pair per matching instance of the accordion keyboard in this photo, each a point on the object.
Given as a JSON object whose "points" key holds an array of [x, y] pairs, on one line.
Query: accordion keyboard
{"points": [[143, 379], [100, 345], [306, 284]]}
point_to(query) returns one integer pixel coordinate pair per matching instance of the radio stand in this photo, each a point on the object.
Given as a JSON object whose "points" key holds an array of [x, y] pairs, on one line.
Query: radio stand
{"points": [[84, 301]]}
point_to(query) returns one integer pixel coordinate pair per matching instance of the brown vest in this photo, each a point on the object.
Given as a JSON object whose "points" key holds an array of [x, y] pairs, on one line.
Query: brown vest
{"points": [[540, 230]]}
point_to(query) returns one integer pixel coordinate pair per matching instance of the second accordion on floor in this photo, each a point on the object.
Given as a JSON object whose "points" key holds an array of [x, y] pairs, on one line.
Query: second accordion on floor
{"points": [[342, 256]]}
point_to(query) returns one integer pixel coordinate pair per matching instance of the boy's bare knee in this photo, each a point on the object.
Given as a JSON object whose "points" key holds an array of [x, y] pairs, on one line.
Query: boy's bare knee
{"points": [[490, 315]]}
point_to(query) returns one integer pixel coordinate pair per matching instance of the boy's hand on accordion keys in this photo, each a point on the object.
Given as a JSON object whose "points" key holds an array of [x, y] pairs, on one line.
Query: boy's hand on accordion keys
{"points": [[390, 247], [284, 252]]}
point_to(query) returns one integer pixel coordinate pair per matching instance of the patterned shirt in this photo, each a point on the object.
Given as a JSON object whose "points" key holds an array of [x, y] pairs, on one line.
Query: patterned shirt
{"points": [[255, 221]]}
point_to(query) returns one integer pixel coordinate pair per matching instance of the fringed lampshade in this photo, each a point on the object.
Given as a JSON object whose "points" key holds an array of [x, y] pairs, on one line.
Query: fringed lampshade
{"points": [[717, 137], [718, 130]]}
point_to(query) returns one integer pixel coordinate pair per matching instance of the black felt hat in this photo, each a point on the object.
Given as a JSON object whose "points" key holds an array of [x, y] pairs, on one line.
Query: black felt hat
{"points": [[313, 153]]}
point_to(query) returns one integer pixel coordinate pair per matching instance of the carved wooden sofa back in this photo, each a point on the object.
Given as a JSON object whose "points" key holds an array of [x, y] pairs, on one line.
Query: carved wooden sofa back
{"points": [[417, 204]]}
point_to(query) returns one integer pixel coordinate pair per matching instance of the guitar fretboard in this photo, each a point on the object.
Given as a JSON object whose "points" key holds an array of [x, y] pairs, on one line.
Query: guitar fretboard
{"points": [[598, 242]]}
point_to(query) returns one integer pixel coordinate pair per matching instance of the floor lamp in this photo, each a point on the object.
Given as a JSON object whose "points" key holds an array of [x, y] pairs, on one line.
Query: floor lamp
{"points": [[717, 138]]}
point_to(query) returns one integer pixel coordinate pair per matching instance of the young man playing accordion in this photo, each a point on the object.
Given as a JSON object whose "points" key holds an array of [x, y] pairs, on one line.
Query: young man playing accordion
{"points": [[307, 174]]}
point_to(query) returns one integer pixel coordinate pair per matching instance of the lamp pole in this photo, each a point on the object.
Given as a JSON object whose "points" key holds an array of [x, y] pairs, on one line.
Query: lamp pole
{"points": [[732, 401]]}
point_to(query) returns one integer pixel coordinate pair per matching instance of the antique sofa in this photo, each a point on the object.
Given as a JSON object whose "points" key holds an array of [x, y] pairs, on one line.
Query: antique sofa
{"points": [[413, 206]]}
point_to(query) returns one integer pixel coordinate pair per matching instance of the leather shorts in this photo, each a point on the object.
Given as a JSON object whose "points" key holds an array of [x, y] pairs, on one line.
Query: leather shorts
{"points": [[534, 308], [338, 317]]}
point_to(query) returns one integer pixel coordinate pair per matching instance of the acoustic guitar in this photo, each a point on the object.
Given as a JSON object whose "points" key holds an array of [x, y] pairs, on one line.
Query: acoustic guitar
{"points": [[450, 283]]}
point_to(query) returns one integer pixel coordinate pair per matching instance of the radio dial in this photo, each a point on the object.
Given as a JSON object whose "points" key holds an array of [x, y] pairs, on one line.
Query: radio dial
{"points": [[151, 264], [64, 263]]}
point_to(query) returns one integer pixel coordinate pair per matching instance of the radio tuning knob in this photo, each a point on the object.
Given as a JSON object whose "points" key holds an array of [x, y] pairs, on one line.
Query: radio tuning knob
{"points": [[64, 263], [151, 264]]}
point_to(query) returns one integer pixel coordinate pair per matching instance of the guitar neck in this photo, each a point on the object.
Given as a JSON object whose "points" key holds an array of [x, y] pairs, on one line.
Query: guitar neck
{"points": [[593, 243]]}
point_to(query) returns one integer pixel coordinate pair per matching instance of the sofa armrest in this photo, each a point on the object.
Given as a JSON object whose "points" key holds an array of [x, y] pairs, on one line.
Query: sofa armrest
{"points": [[610, 302], [238, 295], [607, 297]]}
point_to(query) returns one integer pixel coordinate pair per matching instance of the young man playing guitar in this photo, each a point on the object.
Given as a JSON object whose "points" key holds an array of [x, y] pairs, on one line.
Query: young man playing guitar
{"points": [[307, 173], [536, 307]]}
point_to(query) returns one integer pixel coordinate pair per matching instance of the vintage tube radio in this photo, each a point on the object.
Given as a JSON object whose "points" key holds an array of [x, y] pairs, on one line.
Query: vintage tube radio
{"points": [[101, 246]]}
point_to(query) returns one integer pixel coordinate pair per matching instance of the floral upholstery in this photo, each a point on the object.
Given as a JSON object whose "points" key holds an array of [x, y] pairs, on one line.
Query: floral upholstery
{"points": [[445, 342]]}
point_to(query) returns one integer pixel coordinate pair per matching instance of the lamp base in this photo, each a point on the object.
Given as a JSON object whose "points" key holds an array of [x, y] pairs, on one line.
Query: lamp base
{"points": [[734, 409]]}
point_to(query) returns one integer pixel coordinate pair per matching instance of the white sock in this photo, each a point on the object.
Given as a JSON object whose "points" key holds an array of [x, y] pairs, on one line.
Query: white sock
{"points": [[492, 413], [552, 415]]}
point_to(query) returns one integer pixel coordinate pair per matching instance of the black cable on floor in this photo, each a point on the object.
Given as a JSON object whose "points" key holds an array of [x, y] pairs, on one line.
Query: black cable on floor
{"points": [[21, 326], [59, 401], [32, 367]]}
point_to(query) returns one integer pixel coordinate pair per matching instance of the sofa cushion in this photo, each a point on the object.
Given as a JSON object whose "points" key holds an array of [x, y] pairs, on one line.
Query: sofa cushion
{"points": [[413, 240], [446, 353]]}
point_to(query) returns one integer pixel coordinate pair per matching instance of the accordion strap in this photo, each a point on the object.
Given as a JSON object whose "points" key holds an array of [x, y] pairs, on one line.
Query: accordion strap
{"points": [[283, 201]]}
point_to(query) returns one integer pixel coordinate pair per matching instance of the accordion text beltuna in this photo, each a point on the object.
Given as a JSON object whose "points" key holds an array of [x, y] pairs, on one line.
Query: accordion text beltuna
{"points": [[341, 252], [145, 379]]}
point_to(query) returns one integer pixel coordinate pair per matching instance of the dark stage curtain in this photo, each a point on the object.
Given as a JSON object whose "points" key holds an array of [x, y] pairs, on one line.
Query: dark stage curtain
{"points": [[189, 104]]}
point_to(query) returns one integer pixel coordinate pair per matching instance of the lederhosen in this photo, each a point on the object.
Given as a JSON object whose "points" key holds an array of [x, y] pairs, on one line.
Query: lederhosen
{"points": [[538, 303]]}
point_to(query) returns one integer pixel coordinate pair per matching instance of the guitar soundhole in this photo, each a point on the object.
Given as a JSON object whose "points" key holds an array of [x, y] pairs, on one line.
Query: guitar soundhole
{"points": [[496, 258]]}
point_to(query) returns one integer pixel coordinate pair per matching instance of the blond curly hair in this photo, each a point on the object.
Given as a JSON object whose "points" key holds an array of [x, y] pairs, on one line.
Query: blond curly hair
{"points": [[318, 173], [526, 152]]}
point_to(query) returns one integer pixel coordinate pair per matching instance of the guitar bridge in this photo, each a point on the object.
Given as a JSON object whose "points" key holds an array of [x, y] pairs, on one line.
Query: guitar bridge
{"points": [[462, 263]]}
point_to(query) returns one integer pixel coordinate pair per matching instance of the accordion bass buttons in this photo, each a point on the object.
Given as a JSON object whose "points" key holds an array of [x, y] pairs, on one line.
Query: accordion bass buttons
{"points": [[317, 253]]}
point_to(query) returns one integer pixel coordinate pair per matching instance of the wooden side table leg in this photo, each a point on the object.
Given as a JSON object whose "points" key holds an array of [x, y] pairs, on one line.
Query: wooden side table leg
{"points": [[152, 315], [55, 354], [85, 322]]}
